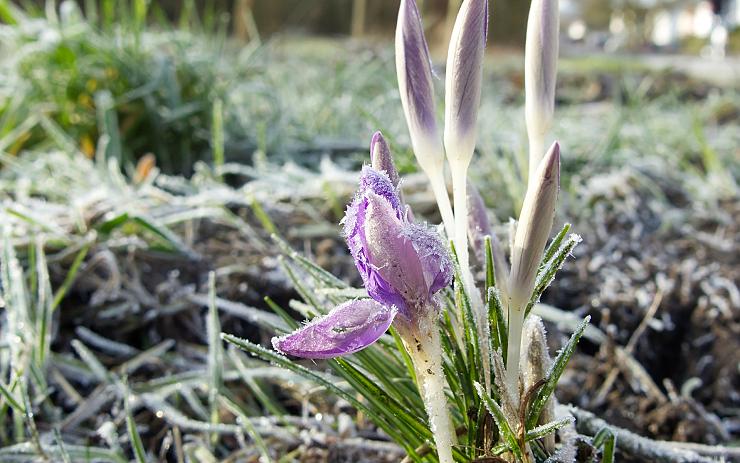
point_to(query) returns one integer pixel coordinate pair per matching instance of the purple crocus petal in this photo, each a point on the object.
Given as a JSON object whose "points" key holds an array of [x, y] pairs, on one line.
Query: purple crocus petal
{"points": [[378, 182], [416, 87], [464, 76], [382, 159], [392, 253], [354, 231], [348, 328], [433, 256]]}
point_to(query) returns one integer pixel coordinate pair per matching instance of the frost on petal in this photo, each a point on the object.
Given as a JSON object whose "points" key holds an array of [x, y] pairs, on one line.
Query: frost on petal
{"points": [[382, 159], [433, 256], [392, 253], [355, 221], [378, 182], [348, 328], [464, 76]]}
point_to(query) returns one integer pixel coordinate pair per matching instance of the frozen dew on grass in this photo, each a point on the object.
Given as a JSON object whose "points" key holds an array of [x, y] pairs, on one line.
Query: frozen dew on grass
{"points": [[404, 265]]}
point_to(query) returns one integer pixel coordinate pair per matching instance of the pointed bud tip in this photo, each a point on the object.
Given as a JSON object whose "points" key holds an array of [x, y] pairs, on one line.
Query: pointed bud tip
{"points": [[552, 160]]}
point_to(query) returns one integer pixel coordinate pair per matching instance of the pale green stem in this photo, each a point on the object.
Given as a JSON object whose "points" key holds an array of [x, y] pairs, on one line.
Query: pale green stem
{"points": [[425, 348], [459, 192], [513, 351], [439, 188], [459, 172]]}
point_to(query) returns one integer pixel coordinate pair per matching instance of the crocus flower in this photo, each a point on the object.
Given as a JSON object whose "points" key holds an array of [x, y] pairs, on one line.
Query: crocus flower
{"points": [[462, 98], [540, 72], [402, 265], [463, 80], [535, 224], [532, 232], [414, 70]]}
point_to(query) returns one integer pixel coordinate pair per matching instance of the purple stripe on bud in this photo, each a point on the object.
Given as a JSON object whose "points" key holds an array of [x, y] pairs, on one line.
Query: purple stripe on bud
{"points": [[414, 70], [381, 158], [347, 329], [464, 76]]}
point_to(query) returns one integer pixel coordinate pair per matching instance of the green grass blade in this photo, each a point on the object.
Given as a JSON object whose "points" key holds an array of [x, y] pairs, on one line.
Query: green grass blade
{"points": [[555, 244], [490, 271], [553, 375], [545, 429], [8, 396], [500, 418], [215, 352], [549, 268], [133, 434], [607, 440], [70, 277], [217, 134]]}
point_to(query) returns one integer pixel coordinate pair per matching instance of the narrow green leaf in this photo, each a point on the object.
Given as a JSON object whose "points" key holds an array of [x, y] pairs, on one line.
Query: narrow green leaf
{"points": [[217, 134], [290, 321], [490, 271], [607, 440], [545, 429], [244, 420], [327, 278], [133, 434], [215, 352], [70, 277], [60, 444], [496, 318], [500, 418], [263, 217], [550, 268], [305, 292], [8, 395], [553, 375], [555, 244]]}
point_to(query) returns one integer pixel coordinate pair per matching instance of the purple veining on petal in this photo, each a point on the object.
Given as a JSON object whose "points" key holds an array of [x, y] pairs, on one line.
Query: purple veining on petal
{"points": [[348, 328], [377, 185], [466, 63], [417, 71], [433, 256]]}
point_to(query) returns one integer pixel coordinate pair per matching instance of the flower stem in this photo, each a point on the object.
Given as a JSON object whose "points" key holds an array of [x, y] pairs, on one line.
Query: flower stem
{"points": [[459, 192], [424, 346], [460, 196], [516, 321], [439, 187]]}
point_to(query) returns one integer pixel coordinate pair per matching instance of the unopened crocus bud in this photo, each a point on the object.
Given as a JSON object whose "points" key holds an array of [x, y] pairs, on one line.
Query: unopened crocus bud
{"points": [[540, 72], [414, 69], [463, 80], [381, 158], [533, 229]]}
